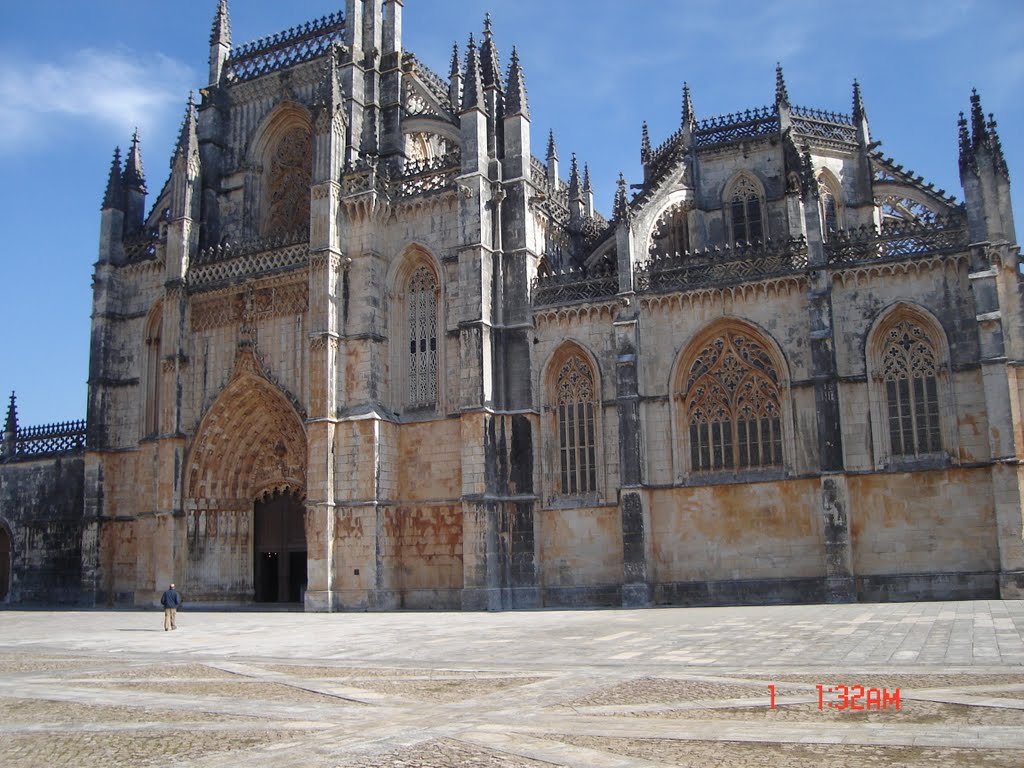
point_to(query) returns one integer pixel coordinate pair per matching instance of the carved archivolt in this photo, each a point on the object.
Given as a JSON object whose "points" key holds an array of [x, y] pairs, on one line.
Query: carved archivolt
{"points": [[250, 440]]}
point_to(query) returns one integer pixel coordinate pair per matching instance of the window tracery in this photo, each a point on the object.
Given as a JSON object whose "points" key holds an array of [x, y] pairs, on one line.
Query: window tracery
{"points": [[828, 200], [745, 212], [733, 407], [910, 374], [671, 233], [577, 439], [288, 189], [421, 304], [421, 147]]}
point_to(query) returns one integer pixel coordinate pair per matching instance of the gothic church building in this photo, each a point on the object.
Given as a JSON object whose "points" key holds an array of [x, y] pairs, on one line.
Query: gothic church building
{"points": [[366, 350]]}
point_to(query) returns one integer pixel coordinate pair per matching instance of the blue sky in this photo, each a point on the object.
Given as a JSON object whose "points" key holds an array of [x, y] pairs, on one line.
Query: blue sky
{"points": [[77, 76]]}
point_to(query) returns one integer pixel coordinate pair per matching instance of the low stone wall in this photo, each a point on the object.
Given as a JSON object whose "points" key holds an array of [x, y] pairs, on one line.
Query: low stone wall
{"points": [[41, 505]]}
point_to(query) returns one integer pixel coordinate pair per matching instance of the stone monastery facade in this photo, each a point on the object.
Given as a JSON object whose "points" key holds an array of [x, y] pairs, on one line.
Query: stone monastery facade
{"points": [[366, 350]]}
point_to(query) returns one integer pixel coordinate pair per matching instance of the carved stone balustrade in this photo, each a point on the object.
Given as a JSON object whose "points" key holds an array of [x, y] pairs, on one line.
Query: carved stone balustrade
{"points": [[231, 262], [897, 240], [721, 266], [574, 285]]}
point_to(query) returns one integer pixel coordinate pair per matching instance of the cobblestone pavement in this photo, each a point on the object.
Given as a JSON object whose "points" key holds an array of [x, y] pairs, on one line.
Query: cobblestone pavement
{"points": [[943, 686]]}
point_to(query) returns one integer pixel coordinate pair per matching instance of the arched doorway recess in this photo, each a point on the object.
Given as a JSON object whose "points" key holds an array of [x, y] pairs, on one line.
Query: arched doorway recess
{"points": [[246, 482], [279, 548]]}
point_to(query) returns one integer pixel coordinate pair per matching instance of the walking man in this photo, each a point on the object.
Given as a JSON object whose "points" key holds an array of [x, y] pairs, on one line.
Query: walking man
{"points": [[170, 601]]}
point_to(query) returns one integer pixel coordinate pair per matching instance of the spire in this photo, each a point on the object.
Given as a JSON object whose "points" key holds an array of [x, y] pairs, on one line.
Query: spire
{"points": [[455, 70], [515, 100], [220, 42], [997, 146], [472, 89], [979, 130], [781, 94], [645, 144], [574, 178], [621, 210], [187, 136], [688, 113], [11, 425], [984, 136], [114, 196], [490, 68], [586, 179], [552, 161], [221, 32], [327, 92], [134, 176], [858, 103], [455, 78], [966, 155]]}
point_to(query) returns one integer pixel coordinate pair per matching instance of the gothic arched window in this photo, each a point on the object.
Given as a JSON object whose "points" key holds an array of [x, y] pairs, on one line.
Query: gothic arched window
{"points": [[421, 337], [828, 199], [287, 193], [733, 405], [910, 373], [746, 219], [575, 397], [154, 326]]}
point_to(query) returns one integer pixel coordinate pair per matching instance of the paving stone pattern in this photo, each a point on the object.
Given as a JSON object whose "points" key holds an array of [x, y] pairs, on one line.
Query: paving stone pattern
{"points": [[581, 689]]}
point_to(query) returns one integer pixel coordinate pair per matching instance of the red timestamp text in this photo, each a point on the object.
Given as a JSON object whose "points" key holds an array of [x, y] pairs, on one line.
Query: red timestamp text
{"points": [[852, 698]]}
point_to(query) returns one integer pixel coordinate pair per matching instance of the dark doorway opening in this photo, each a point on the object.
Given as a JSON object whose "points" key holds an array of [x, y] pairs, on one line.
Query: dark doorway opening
{"points": [[5, 563], [279, 549]]}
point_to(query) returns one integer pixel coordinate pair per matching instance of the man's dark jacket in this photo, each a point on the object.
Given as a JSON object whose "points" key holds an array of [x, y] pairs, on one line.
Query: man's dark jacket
{"points": [[171, 599]]}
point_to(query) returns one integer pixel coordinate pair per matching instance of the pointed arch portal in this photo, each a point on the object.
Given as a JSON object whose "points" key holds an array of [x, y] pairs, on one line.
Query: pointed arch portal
{"points": [[246, 483]]}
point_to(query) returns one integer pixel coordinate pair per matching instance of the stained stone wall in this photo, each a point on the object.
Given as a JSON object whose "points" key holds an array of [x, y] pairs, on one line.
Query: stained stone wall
{"points": [[41, 506]]}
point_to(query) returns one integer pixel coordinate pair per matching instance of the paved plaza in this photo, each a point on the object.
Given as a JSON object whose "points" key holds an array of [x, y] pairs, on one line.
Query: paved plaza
{"points": [[587, 689]]}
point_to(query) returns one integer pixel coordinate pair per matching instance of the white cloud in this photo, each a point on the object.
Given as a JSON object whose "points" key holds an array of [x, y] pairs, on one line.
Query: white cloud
{"points": [[120, 89]]}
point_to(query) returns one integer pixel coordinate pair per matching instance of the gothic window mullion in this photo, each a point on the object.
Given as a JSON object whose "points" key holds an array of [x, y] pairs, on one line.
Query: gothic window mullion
{"points": [[911, 391], [576, 427], [422, 324], [733, 407]]}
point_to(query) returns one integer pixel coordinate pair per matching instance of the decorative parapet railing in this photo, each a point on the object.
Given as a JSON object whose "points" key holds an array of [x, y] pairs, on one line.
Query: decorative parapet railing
{"points": [[680, 272], [249, 258], [761, 121], [822, 115], [49, 440], [285, 49], [556, 202], [422, 177], [897, 240], [417, 177], [366, 176], [141, 247], [574, 285], [748, 124], [822, 124]]}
